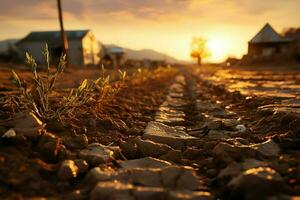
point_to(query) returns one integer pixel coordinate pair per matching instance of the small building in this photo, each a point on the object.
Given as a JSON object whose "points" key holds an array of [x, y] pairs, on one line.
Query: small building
{"points": [[267, 43], [112, 56], [83, 49], [294, 33]]}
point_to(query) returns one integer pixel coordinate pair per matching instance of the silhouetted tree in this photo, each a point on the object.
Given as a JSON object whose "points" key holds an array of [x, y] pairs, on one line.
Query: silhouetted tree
{"points": [[199, 49]]}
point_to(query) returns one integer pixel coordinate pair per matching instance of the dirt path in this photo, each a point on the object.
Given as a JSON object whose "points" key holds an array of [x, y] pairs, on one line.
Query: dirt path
{"points": [[217, 148], [219, 144], [186, 137]]}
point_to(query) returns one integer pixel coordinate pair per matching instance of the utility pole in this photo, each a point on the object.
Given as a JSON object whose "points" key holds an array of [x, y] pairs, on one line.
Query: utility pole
{"points": [[63, 35]]}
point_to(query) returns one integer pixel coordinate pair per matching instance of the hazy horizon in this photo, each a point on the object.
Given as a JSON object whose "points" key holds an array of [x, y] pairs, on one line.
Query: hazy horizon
{"points": [[166, 26]]}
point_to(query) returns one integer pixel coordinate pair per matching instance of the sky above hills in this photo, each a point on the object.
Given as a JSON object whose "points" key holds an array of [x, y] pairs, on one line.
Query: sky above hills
{"points": [[163, 25]]}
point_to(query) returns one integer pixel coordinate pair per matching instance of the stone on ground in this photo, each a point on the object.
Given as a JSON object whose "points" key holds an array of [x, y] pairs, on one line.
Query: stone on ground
{"points": [[9, 134], [161, 133], [49, 146], [129, 149], [68, 170], [150, 148], [149, 193], [268, 148], [147, 162], [260, 182], [27, 124], [189, 195], [76, 142], [113, 190], [180, 178], [96, 153]]}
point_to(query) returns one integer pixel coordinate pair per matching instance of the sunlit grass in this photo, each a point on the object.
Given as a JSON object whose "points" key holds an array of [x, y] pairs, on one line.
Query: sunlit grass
{"points": [[38, 97]]}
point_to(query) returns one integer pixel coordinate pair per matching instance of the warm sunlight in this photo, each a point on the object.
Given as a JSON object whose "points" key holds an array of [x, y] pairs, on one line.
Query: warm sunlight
{"points": [[219, 49], [149, 99]]}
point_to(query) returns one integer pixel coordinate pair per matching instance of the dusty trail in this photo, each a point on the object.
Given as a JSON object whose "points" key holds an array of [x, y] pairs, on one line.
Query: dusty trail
{"points": [[206, 133], [204, 142]]}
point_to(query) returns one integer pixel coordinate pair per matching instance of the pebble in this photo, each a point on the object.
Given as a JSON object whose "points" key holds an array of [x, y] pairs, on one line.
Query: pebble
{"points": [[97, 174], [169, 176], [147, 162], [229, 123], [150, 148], [9, 134], [189, 195], [174, 156], [217, 135], [82, 165], [148, 193], [232, 170], [193, 153], [129, 149], [188, 179], [27, 124], [164, 134], [227, 153], [268, 148], [252, 163], [68, 170], [113, 190], [259, 182], [214, 124], [76, 142], [49, 146], [241, 128], [96, 154], [151, 176], [146, 177]]}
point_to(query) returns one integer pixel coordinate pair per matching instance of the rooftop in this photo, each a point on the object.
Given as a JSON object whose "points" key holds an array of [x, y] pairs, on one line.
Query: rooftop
{"points": [[268, 35], [54, 35]]}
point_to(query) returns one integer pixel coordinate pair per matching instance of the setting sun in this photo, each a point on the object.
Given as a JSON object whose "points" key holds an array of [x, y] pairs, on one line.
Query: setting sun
{"points": [[219, 49]]}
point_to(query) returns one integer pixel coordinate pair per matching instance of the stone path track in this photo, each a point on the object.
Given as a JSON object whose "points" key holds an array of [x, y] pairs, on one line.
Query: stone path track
{"points": [[157, 173], [194, 149]]}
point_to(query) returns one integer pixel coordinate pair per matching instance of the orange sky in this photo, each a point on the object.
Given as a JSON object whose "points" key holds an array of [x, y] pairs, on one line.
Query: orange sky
{"points": [[163, 25]]}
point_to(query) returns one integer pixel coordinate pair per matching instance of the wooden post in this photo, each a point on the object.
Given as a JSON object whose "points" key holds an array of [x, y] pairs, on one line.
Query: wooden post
{"points": [[63, 35]]}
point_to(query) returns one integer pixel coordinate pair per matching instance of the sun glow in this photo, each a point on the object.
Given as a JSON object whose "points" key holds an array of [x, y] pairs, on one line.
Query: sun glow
{"points": [[219, 49]]}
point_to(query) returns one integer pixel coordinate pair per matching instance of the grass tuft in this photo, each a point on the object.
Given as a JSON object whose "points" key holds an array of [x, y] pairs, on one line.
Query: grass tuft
{"points": [[83, 100], [36, 97]]}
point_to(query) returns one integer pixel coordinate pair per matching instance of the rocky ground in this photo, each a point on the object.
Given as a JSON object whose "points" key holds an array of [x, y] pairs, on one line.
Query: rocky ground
{"points": [[184, 133]]}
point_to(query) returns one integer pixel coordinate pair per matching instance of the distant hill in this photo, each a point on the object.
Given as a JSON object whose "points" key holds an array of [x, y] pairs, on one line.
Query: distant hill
{"points": [[149, 54], [5, 43], [144, 54]]}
